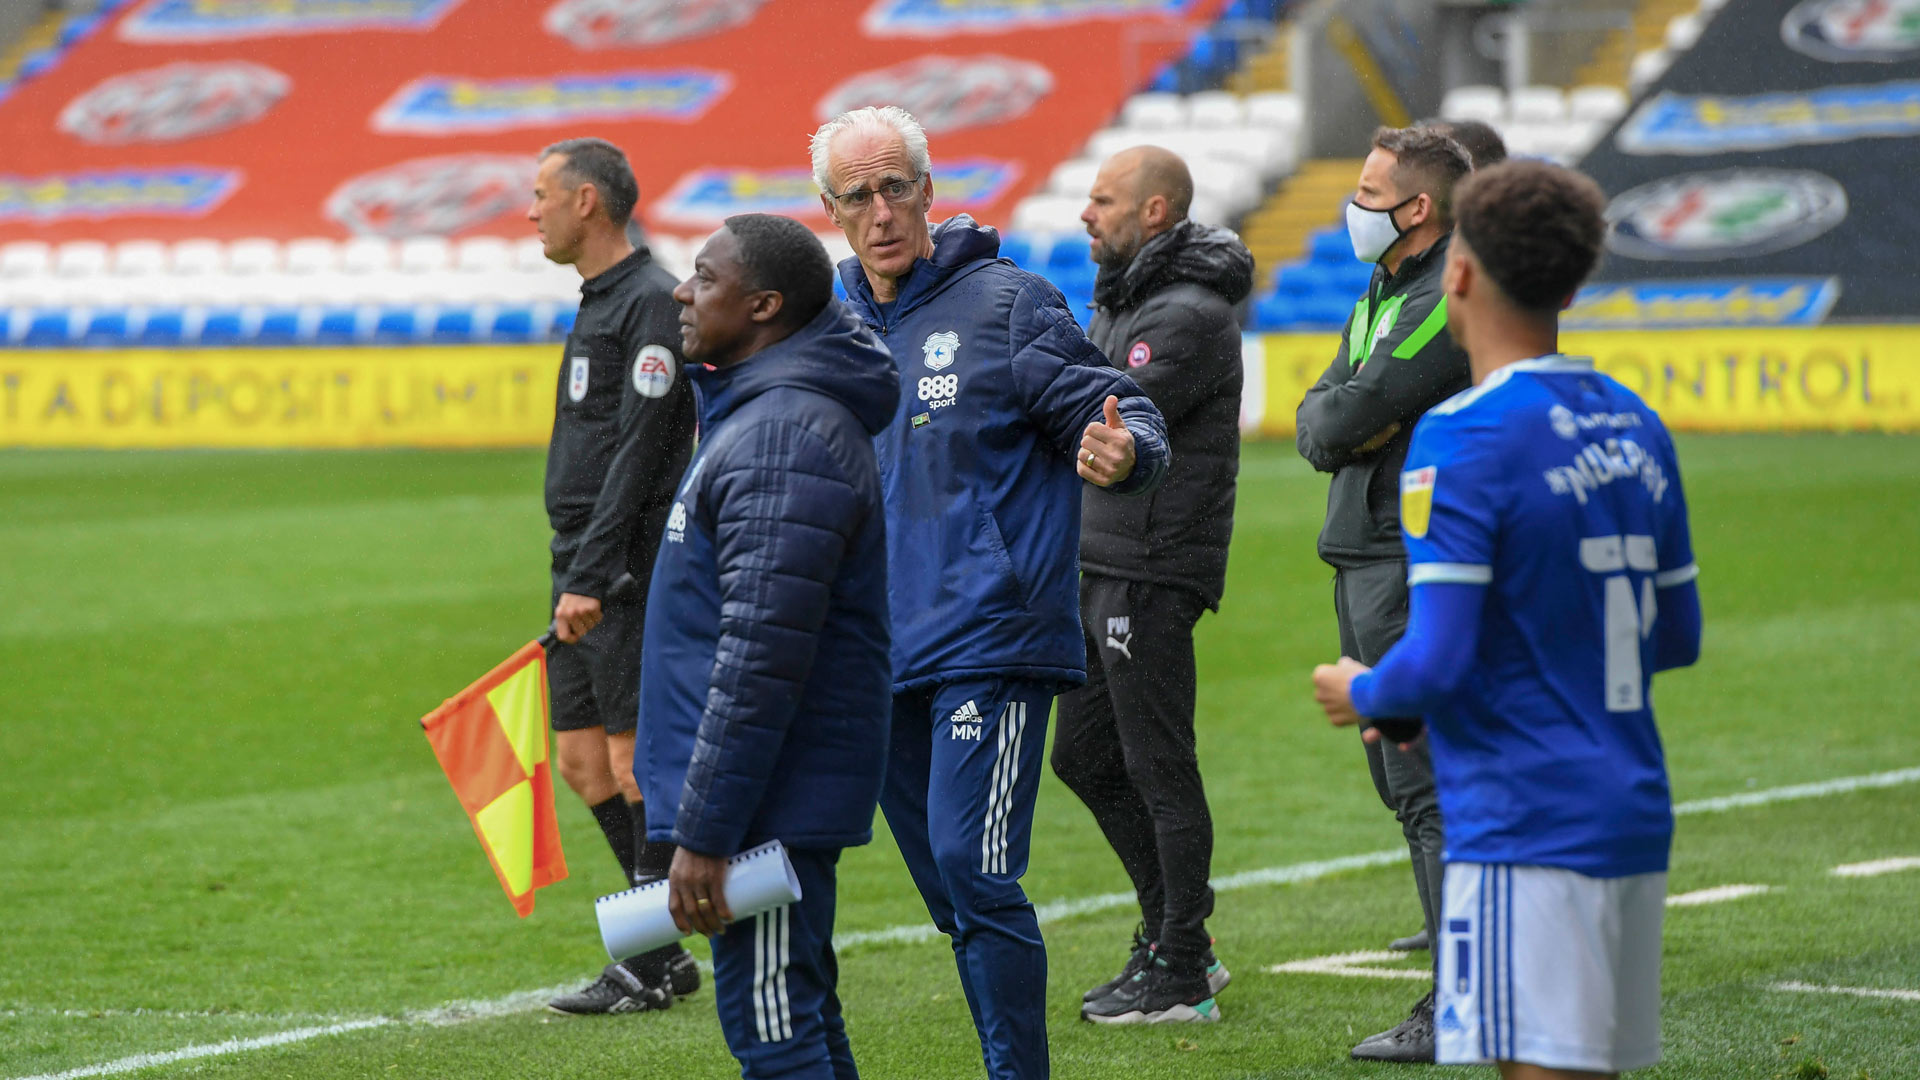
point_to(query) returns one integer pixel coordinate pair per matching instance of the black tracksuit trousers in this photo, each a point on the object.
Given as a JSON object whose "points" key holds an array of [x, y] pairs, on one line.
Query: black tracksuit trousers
{"points": [[1124, 744]]}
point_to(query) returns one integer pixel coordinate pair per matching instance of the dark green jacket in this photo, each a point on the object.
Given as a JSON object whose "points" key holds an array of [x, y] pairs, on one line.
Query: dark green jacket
{"points": [[1396, 361]]}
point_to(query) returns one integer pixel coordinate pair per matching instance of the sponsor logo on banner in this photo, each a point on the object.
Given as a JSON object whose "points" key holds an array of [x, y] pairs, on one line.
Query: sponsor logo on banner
{"points": [[1726, 214], [174, 102], [946, 93], [624, 24], [1698, 124], [441, 105], [433, 196], [171, 21], [1843, 31], [178, 192], [1416, 500], [1634, 305], [710, 196], [932, 17]]}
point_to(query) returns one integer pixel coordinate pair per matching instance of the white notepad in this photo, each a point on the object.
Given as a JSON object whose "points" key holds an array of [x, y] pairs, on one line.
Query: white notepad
{"points": [[636, 921]]}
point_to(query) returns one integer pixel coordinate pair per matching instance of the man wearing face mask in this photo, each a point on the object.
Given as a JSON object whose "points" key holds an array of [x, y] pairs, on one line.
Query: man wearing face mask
{"points": [[1396, 361]]}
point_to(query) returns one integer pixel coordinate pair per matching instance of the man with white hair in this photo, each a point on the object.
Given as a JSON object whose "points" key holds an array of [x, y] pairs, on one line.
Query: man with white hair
{"points": [[1003, 401]]}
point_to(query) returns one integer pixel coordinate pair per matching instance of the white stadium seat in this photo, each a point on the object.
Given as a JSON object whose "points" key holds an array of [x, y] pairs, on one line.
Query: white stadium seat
{"points": [[198, 258], [1074, 177], [25, 258], [483, 255], [1154, 112], [1275, 110], [139, 258], [1683, 31], [1216, 109], [1597, 103], [529, 253], [425, 254], [312, 255], [1537, 105], [253, 256], [1048, 213], [1483, 103], [1647, 67], [367, 255], [80, 258]]}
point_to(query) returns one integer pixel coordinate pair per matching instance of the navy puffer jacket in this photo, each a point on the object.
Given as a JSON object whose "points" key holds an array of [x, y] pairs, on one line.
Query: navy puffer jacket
{"points": [[765, 689]]}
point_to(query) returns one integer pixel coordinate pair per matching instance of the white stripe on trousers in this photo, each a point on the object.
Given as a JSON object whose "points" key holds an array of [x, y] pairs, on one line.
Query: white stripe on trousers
{"points": [[772, 1013], [1010, 736]]}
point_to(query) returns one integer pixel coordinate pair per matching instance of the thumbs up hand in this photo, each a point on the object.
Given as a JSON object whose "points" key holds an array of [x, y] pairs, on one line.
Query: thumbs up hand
{"points": [[1106, 450]]}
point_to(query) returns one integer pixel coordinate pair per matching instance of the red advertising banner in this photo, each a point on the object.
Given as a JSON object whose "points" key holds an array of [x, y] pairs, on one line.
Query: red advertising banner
{"points": [[284, 118]]}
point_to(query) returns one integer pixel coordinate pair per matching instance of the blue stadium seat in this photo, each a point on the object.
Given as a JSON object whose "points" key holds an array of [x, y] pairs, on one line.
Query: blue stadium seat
{"points": [[164, 326], [1274, 311], [1070, 252], [453, 325], [1298, 279], [108, 326], [1325, 310], [38, 62], [1018, 247], [512, 324], [338, 326], [1352, 277], [563, 321], [279, 326], [48, 329], [223, 326], [1331, 246], [396, 326], [1167, 81]]}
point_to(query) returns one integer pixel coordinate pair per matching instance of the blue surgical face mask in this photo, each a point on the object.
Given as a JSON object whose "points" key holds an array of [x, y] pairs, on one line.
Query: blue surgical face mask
{"points": [[1374, 232]]}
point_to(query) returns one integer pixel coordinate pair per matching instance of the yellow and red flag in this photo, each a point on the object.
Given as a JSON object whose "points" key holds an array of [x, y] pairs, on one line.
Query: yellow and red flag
{"points": [[491, 739]]}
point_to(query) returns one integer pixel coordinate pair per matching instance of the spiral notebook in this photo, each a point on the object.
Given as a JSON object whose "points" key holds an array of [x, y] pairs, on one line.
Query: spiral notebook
{"points": [[637, 920]]}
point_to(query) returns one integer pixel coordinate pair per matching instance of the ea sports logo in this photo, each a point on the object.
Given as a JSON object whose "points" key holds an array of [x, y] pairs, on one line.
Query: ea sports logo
{"points": [[174, 102], [1843, 31], [432, 196], [653, 371], [946, 93], [1726, 214], [621, 24]]}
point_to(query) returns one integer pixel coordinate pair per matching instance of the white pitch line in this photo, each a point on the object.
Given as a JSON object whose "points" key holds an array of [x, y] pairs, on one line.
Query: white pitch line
{"points": [[1878, 867], [1352, 965], [918, 932], [1852, 991], [1717, 895]]}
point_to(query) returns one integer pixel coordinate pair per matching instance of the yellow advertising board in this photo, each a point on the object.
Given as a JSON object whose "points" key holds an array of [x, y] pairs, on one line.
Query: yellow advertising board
{"points": [[1854, 378], [423, 396]]}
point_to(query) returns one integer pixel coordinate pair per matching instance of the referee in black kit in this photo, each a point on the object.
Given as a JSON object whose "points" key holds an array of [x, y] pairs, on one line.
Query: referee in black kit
{"points": [[622, 434]]}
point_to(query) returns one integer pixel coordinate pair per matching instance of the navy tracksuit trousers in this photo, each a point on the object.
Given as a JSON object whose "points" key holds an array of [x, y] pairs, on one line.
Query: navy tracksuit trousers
{"points": [[962, 778], [774, 980]]}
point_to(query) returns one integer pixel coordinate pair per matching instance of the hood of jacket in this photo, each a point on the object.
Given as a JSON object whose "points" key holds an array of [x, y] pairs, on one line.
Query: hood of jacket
{"points": [[1205, 255], [961, 245], [835, 355]]}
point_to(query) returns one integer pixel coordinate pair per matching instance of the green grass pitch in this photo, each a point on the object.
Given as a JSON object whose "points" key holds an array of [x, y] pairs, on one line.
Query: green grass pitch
{"points": [[221, 821]]}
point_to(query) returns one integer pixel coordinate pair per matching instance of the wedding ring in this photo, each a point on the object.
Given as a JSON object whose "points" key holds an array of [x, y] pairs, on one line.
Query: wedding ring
{"points": [[1089, 457], [704, 902]]}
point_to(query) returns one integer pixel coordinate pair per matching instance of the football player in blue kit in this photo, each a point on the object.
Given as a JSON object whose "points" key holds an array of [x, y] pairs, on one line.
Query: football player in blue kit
{"points": [[1552, 574]]}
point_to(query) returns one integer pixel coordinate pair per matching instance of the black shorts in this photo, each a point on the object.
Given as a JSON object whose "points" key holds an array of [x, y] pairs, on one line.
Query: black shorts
{"points": [[595, 682]]}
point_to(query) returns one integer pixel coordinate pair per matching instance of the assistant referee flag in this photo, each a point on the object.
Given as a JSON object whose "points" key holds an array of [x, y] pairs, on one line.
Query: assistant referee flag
{"points": [[491, 739]]}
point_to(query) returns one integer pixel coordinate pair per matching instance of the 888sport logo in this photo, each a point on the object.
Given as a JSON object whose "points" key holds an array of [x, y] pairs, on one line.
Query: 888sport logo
{"points": [[939, 391]]}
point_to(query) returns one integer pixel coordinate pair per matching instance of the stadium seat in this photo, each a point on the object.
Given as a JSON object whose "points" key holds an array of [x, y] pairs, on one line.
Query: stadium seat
{"points": [[224, 326], [562, 324], [1070, 252], [1477, 102], [198, 258], [1647, 67], [1325, 310], [1275, 111], [512, 324], [1272, 312], [1537, 105], [454, 325], [1331, 246], [425, 255], [279, 326], [163, 326], [1684, 30], [1601, 103], [139, 258], [48, 329], [1154, 112], [312, 255], [25, 258], [1216, 109], [338, 326], [80, 258], [106, 326], [254, 255], [483, 255], [1047, 213], [530, 254], [366, 255], [396, 325], [1015, 246], [1074, 178]]}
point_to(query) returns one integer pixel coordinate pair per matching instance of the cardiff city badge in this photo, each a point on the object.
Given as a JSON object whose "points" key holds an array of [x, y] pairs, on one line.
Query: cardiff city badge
{"points": [[940, 349]]}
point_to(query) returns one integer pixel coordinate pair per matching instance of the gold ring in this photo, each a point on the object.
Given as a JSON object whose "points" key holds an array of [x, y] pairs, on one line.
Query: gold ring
{"points": [[704, 902], [1089, 457]]}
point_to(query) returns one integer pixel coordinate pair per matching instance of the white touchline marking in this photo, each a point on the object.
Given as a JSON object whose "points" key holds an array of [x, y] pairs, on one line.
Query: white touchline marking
{"points": [[1853, 991], [1878, 867], [458, 1012], [1717, 894], [1352, 964]]}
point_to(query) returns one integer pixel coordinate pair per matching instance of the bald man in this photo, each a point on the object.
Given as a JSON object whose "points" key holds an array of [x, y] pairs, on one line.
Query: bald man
{"points": [[1151, 567]]}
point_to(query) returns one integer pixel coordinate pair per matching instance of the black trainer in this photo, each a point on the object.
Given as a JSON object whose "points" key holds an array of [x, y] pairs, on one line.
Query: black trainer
{"points": [[1142, 952], [1414, 942], [1411, 1041], [1156, 995], [1217, 974], [618, 990], [683, 974]]}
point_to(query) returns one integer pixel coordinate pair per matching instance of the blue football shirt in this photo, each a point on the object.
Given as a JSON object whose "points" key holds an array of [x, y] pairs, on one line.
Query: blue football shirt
{"points": [[1557, 488]]}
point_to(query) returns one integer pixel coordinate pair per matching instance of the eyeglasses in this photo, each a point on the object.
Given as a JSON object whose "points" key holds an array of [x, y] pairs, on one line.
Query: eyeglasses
{"points": [[860, 200]]}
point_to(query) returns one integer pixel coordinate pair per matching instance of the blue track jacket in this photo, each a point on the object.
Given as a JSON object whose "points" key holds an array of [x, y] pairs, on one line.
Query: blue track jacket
{"points": [[997, 385], [765, 689]]}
